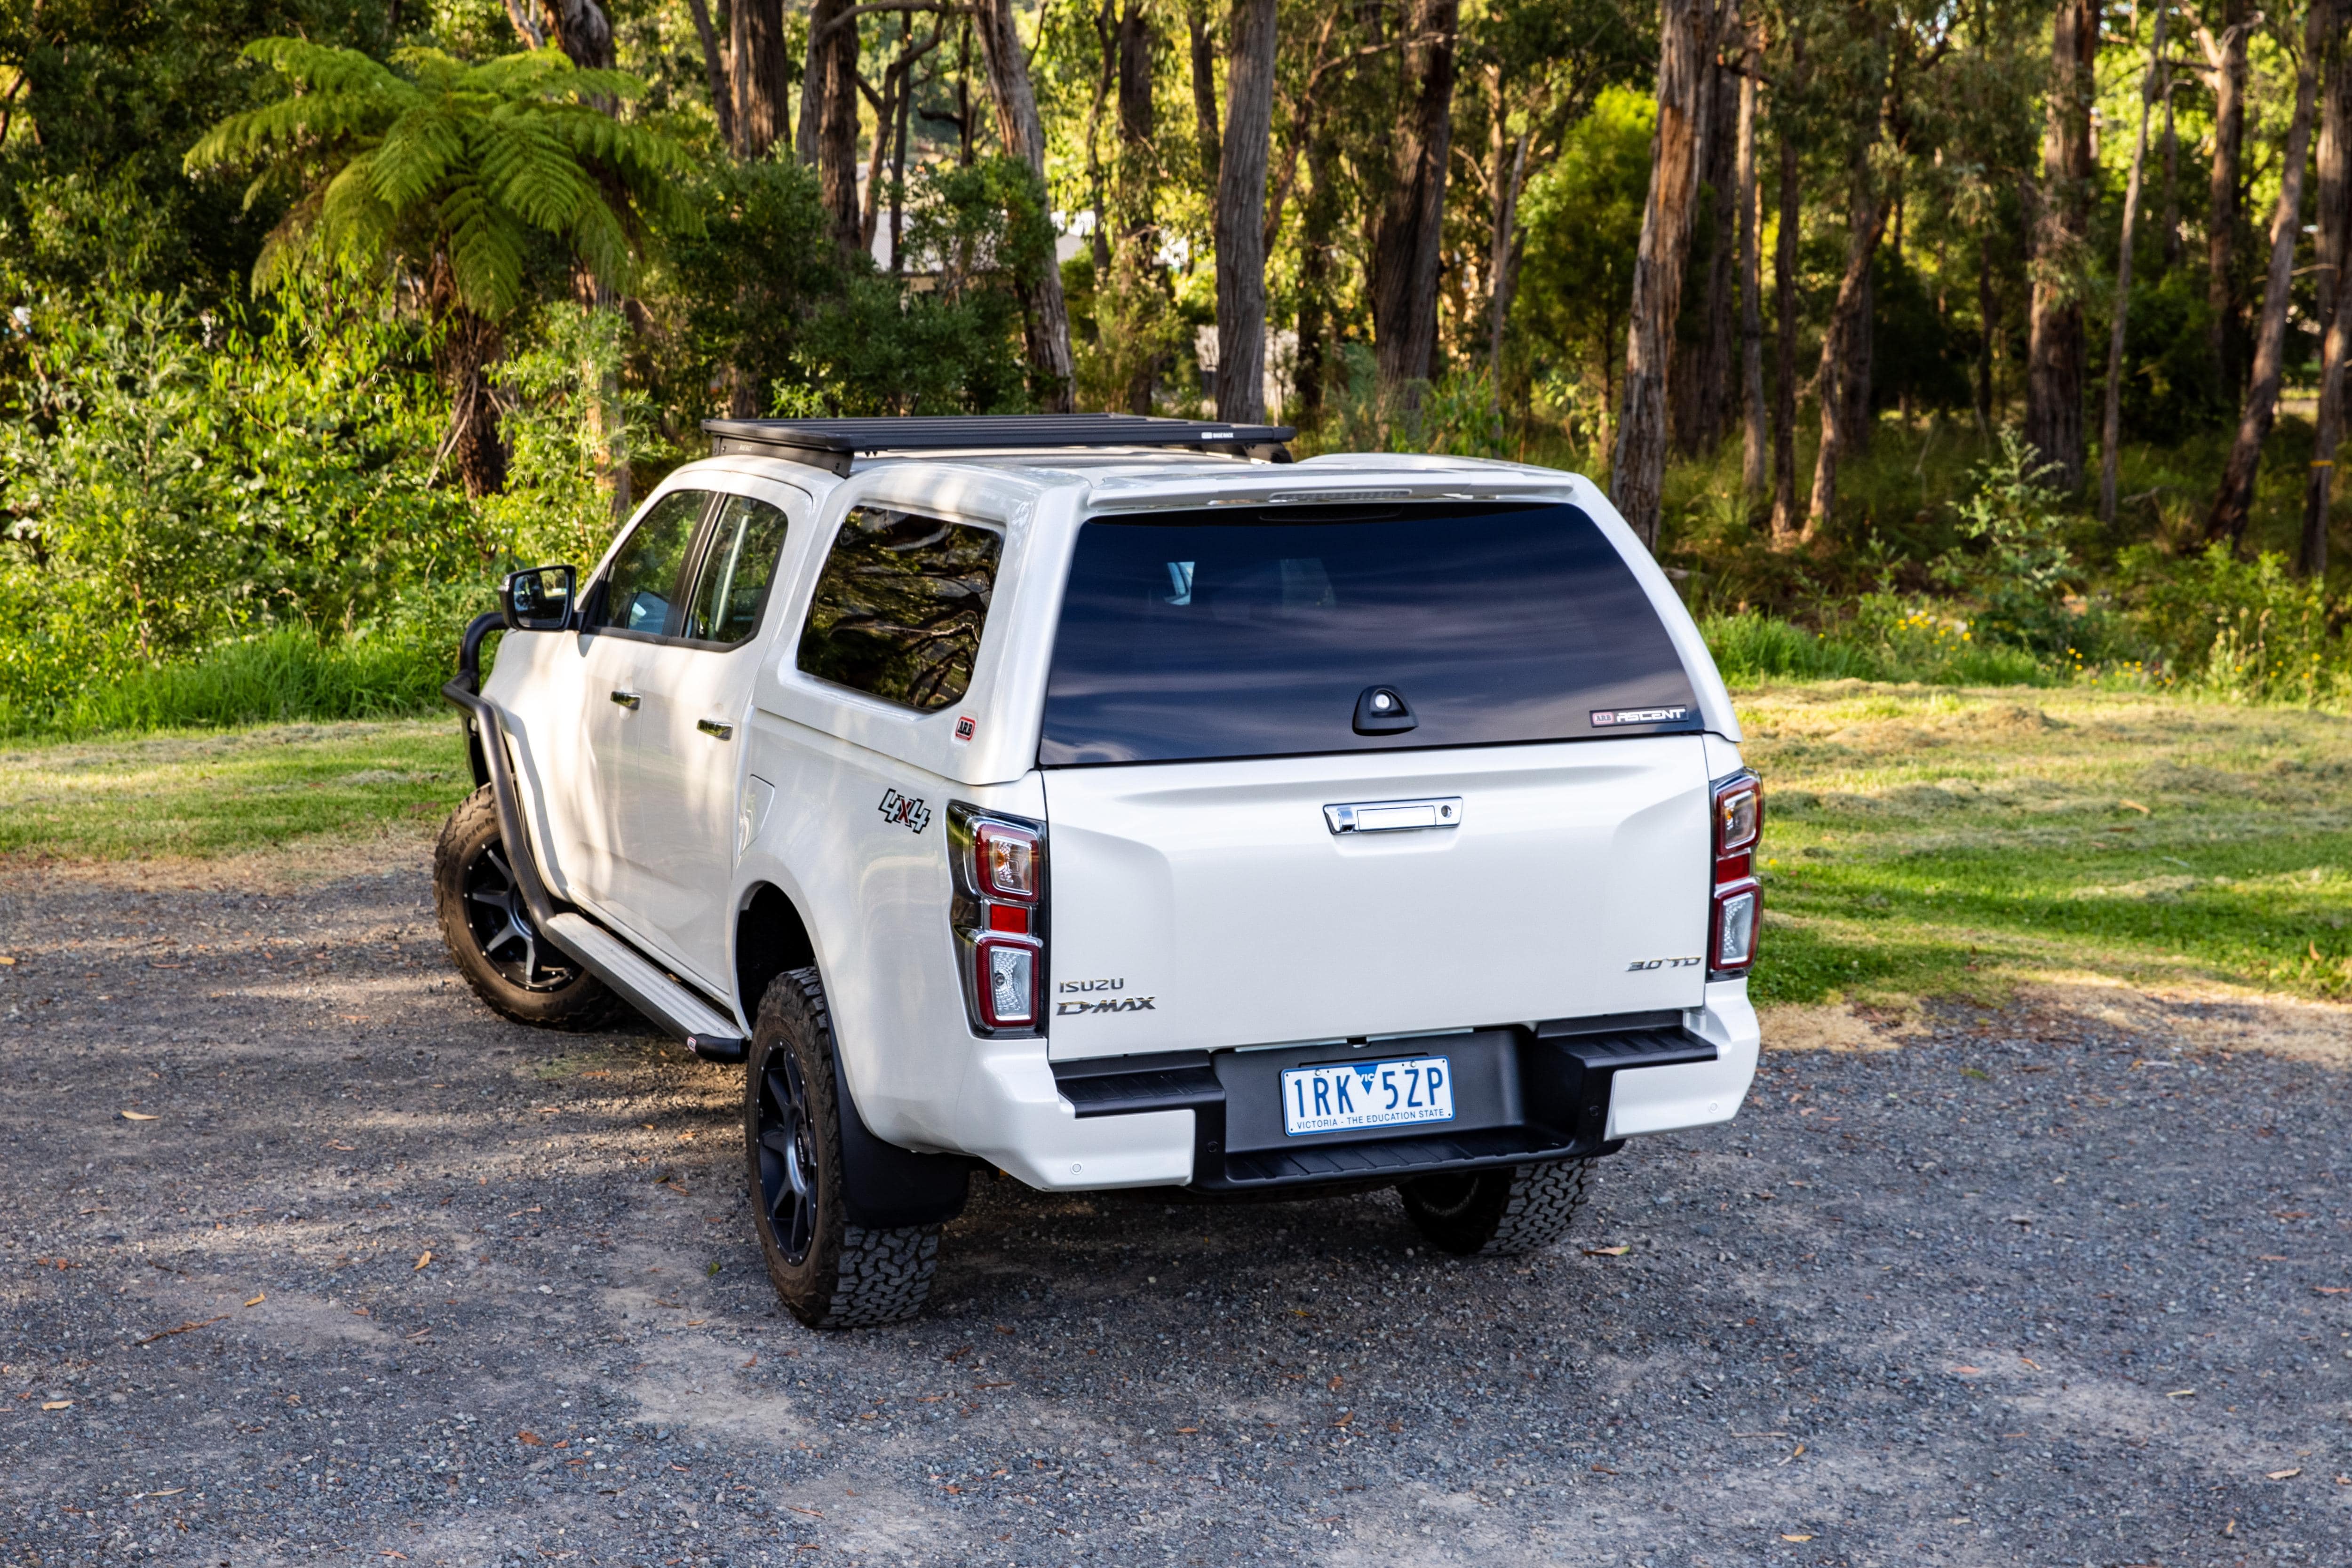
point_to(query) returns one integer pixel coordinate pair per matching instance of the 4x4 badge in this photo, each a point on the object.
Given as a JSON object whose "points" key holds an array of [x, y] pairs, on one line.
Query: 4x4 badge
{"points": [[898, 809]]}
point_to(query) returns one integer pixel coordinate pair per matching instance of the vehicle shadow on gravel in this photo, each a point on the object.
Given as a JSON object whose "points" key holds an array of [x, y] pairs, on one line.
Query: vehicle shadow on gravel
{"points": [[309, 1259]]}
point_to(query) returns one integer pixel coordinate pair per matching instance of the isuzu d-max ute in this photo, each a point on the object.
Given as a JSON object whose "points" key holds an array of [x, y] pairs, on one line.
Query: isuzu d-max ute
{"points": [[1118, 804]]}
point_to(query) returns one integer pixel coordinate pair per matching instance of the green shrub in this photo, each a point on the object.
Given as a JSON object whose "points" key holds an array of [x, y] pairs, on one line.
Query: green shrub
{"points": [[2242, 629]]}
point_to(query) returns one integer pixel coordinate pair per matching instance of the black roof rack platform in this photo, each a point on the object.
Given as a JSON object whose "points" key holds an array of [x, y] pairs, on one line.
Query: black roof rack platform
{"points": [[833, 443]]}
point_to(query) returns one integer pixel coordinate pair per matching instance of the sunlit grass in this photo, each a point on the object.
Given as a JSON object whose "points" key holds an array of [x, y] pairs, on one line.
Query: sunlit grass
{"points": [[225, 791], [1937, 840]]}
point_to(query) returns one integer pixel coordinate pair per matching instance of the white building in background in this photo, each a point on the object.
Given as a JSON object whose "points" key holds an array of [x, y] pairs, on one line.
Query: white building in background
{"points": [[1280, 372]]}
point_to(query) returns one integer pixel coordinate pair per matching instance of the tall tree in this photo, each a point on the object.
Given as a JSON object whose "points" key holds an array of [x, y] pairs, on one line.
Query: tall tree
{"points": [[1865, 225], [2233, 504], [827, 135], [1637, 473], [2053, 386], [2225, 59], [1752, 284], [1045, 311], [1789, 221], [1411, 220], [1700, 396], [2334, 246], [2111, 412], [1240, 222], [1137, 261], [1205, 135], [759, 74], [718, 72]]}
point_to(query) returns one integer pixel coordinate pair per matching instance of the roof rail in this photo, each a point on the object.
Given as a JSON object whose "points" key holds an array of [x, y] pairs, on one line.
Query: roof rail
{"points": [[833, 443]]}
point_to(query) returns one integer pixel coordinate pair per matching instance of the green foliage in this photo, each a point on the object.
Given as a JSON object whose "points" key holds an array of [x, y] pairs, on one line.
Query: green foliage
{"points": [[446, 163], [2243, 629], [170, 480], [2020, 567], [1583, 218], [562, 414], [765, 304]]}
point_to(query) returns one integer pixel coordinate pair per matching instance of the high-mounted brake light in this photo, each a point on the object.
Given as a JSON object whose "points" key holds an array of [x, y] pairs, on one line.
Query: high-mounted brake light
{"points": [[1738, 899], [997, 863]]}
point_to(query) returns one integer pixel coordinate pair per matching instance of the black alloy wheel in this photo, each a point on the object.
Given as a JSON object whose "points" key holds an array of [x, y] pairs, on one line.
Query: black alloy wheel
{"points": [[786, 1145], [502, 929], [516, 972]]}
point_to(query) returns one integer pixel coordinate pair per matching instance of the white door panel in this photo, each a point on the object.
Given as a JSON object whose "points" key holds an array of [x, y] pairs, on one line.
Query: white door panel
{"points": [[1218, 894]]}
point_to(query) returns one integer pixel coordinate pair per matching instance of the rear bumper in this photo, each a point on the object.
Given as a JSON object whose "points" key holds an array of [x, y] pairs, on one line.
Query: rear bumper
{"points": [[1567, 1090]]}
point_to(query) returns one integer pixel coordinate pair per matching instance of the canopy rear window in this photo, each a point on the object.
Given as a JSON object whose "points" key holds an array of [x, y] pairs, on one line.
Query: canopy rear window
{"points": [[1254, 632]]}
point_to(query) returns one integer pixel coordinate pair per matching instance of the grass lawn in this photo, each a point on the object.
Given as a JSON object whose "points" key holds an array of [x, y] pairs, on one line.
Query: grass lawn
{"points": [[1918, 840], [1924, 841], [223, 792]]}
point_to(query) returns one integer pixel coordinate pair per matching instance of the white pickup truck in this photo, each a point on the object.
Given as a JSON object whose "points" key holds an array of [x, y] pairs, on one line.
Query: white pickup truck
{"points": [[1117, 803]]}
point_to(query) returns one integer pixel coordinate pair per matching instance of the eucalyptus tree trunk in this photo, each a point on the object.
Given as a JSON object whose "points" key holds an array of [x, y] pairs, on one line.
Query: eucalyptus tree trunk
{"points": [[1784, 335], [829, 118], [1867, 222], [2234, 502], [717, 71], [2111, 413], [1045, 312], [1751, 290], [1240, 222], [2335, 207], [1407, 232], [2225, 58], [1319, 218], [1205, 134], [2053, 384], [1638, 470], [2171, 218], [579, 28], [762, 71], [1706, 399], [1137, 181]]}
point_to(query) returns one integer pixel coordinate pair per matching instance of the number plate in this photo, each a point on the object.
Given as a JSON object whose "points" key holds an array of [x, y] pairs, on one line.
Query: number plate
{"points": [[1344, 1096]]}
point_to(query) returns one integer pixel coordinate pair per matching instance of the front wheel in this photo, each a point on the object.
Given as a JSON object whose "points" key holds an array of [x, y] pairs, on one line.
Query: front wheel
{"points": [[516, 972], [1497, 1214], [829, 1272]]}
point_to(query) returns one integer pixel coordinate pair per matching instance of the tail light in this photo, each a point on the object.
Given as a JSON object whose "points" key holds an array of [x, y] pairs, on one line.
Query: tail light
{"points": [[998, 916], [1739, 900]]}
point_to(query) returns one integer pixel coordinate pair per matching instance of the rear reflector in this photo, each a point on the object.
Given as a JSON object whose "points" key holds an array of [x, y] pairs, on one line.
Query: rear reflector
{"points": [[1008, 916]]}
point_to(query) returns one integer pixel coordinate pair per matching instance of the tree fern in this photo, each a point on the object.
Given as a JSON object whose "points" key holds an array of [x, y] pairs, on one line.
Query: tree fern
{"points": [[439, 163]]}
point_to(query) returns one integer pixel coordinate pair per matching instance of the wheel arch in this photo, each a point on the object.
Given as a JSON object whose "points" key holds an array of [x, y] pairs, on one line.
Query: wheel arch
{"points": [[771, 936]]}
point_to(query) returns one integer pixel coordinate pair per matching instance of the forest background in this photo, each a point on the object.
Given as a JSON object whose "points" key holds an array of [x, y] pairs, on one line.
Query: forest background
{"points": [[1983, 342]]}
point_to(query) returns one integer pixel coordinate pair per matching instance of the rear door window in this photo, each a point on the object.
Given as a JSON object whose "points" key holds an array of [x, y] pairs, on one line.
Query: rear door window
{"points": [[738, 566], [900, 607], [1254, 633], [641, 587]]}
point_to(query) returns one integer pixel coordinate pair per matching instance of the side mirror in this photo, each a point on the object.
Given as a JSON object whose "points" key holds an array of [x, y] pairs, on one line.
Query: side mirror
{"points": [[538, 599]]}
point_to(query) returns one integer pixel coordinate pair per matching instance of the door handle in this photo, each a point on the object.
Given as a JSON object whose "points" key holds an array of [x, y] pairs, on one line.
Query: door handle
{"points": [[627, 698], [718, 728]]}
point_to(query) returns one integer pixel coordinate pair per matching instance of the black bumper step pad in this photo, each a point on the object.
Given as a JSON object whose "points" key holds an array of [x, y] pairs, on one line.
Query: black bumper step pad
{"points": [[1521, 1095]]}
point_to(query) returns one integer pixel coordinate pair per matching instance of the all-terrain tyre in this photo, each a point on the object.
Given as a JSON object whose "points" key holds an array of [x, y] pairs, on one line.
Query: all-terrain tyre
{"points": [[829, 1272], [1497, 1214], [516, 972]]}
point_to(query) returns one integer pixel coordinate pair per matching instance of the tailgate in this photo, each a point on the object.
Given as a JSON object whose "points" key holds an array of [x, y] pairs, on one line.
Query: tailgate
{"points": [[1201, 905]]}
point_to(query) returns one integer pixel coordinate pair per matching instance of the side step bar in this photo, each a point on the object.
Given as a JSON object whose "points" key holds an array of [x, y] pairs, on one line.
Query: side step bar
{"points": [[707, 1032]]}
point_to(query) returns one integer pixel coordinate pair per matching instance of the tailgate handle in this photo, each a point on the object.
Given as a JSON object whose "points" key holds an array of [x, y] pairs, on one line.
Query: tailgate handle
{"points": [[1393, 816]]}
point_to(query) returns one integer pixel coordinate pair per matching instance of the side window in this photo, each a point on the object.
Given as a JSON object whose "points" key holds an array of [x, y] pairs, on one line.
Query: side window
{"points": [[900, 607], [643, 575], [736, 571]]}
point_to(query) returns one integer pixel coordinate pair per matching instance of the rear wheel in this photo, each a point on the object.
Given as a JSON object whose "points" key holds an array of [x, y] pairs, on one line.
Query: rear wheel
{"points": [[1497, 1214], [488, 929], [829, 1272]]}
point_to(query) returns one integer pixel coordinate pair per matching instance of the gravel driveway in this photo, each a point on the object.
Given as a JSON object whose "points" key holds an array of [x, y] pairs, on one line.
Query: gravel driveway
{"points": [[308, 1258]]}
